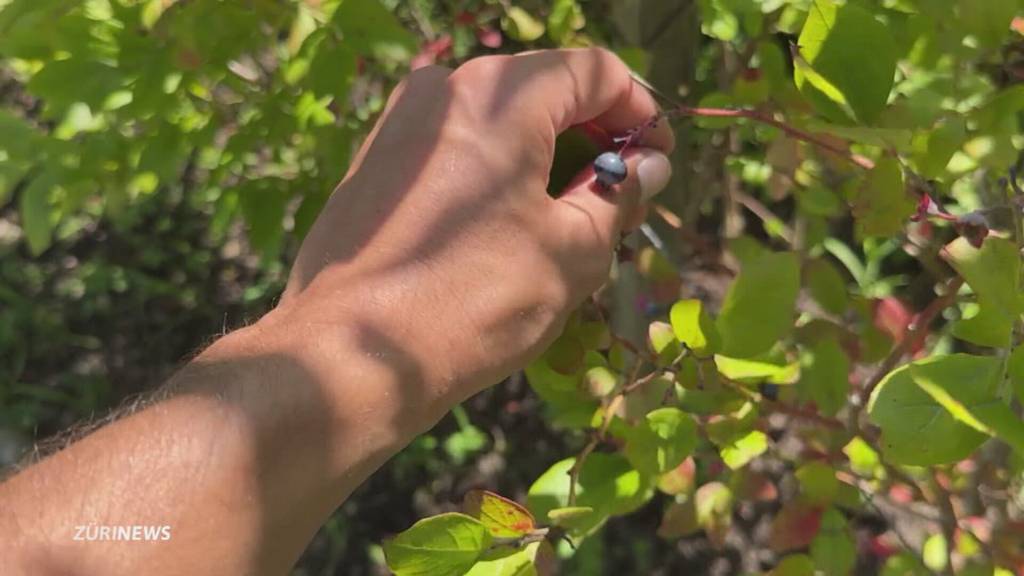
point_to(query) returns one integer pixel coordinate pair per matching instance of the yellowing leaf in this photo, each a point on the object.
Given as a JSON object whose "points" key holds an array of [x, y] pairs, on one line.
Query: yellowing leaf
{"points": [[504, 518], [521, 26]]}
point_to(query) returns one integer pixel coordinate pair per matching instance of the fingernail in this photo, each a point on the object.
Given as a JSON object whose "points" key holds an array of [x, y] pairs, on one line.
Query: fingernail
{"points": [[653, 172]]}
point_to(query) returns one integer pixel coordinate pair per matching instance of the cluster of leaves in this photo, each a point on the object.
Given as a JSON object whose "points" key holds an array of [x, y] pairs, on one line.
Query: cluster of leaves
{"points": [[869, 138], [882, 113]]}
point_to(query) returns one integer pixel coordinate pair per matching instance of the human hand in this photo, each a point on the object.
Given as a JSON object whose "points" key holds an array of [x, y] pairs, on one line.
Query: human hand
{"points": [[441, 254]]}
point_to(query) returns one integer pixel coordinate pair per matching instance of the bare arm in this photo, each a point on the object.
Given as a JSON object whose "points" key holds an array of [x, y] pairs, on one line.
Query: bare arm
{"points": [[438, 267]]}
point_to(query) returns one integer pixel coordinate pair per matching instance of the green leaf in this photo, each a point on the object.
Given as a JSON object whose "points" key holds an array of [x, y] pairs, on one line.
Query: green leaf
{"points": [[504, 518], [992, 272], [818, 483], [896, 138], [521, 26], [263, 205], [661, 441], [881, 203], [18, 138], [444, 545], [756, 370], [863, 458], [833, 549], [794, 565], [968, 399], [693, 327], [663, 342], [740, 451], [826, 285], [992, 115], [988, 21], [571, 517], [565, 355], [906, 413], [608, 484], [934, 149], [63, 82], [988, 327], [836, 42], [372, 30], [825, 377], [332, 70], [758, 309], [1015, 371], [559, 391], [935, 553], [34, 207], [507, 561], [904, 564], [565, 17]]}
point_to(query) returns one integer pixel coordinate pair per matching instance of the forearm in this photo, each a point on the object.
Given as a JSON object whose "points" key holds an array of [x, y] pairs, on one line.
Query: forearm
{"points": [[259, 439]]}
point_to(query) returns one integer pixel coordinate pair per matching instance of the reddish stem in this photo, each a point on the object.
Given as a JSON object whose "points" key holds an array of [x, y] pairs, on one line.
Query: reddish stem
{"points": [[797, 133], [920, 327]]}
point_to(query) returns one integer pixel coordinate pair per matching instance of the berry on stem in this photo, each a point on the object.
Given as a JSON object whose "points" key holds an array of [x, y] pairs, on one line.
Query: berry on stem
{"points": [[610, 169]]}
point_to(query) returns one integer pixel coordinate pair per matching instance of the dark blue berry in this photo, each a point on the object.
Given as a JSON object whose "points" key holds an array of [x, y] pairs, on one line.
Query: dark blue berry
{"points": [[610, 169]]}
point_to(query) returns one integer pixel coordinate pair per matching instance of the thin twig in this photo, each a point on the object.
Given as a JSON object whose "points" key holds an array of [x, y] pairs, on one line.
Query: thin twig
{"points": [[765, 214], [782, 407], [763, 118], [914, 334], [949, 521], [596, 437]]}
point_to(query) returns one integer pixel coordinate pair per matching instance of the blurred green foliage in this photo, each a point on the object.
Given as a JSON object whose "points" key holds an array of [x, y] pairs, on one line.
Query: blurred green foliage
{"points": [[160, 161]]}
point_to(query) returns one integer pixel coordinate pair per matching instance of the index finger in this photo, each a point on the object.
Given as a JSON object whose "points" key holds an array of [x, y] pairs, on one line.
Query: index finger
{"points": [[589, 84]]}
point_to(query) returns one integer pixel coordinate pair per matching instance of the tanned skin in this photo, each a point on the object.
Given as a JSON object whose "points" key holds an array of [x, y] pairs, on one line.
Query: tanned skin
{"points": [[439, 266]]}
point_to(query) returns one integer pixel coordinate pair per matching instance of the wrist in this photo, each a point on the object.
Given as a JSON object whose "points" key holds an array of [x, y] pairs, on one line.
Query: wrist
{"points": [[370, 374]]}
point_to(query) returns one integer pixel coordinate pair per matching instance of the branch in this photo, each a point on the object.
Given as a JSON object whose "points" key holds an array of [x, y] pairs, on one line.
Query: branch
{"points": [[598, 435], [595, 438], [793, 132], [765, 214], [917, 330], [782, 407], [949, 521]]}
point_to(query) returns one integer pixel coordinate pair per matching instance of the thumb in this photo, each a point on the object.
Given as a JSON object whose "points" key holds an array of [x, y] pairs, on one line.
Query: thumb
{"points": [[610, 209]]}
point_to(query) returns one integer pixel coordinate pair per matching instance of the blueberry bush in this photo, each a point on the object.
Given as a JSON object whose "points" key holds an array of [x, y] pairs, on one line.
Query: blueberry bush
{"points": [[808, 361]]}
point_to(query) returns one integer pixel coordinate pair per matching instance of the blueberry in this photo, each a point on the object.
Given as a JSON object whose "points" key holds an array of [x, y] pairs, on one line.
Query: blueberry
{"points": [[610, 169]]}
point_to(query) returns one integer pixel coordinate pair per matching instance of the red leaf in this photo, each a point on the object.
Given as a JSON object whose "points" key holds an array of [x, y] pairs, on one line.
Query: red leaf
{"points": [[431, 51], [880, 547], [901, 494], [795, 526], [489, 37]]}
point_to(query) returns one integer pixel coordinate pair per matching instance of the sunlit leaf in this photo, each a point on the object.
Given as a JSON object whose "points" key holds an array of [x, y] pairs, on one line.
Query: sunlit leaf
{"points": [[758, 309], [443, 545]]}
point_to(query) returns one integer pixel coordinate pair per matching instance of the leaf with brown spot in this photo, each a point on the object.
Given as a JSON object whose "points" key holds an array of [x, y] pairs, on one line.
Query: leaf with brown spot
{"points": [[504, 518]]}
